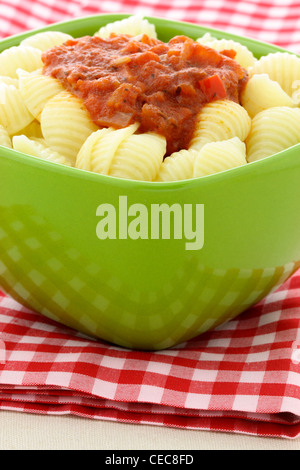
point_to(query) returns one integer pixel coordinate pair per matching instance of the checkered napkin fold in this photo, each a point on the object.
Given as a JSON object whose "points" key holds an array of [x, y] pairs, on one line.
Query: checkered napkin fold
{"points": [[242, 377]]}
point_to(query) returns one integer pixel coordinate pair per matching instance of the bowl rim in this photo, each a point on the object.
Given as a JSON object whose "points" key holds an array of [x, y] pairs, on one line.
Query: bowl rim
{"points": [[251, 167]]}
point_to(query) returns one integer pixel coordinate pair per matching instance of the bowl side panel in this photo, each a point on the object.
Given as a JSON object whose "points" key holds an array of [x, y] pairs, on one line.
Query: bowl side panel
{"points": [[145, 293]]}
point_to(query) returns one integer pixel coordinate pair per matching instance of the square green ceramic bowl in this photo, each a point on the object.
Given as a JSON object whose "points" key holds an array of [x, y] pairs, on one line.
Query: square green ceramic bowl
{"points": [[146, 293]]}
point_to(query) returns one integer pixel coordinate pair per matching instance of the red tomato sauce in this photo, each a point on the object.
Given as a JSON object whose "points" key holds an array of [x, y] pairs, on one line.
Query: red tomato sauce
{"points": [[163, 86]]}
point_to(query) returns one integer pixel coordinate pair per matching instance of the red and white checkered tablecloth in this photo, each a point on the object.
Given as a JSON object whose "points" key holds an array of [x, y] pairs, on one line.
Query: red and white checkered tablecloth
{"points": [[275, 21], [242, 377]]}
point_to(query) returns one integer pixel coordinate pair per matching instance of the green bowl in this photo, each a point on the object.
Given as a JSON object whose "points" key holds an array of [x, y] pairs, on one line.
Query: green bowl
{"points": [[155, 292]]}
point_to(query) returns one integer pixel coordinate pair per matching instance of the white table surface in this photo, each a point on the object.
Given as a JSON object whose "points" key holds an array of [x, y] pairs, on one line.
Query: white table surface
{"points": [[23, 431]]}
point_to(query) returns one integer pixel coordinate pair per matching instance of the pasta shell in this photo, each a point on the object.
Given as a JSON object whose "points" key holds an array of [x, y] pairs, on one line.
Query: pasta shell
{"points": [[46, 40], [33, 130], [219, 156], [178, 166], [9, 81], [282, 67], [5, 140], [220, 120], [273, 130], [122, 153], [37, 148], [139, 157], [14, 114], [262, 93], [99, 149], [37, 89], [133, 26], [66, 124], [19, 57]]}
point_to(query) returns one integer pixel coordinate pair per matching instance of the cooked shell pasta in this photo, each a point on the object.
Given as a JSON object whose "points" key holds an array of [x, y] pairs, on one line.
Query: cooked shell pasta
{"points": [[33, 130], [99, 149], [4, 138], [37, 148], [262, 93], [243, 55], [178, 166], [273, 130], [219, 156], [220, 120], [37, 89], [14, 114], [46, 40], [282, 67], [296, 92], [66, 124], [134, 25], [122, 153], [207, 37], [9, 81], [19, 57], [88, 156], [139, 157]]}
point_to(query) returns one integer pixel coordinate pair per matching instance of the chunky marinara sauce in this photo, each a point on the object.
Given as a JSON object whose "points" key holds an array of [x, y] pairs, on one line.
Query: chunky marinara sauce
{"points": [[162, 86]]}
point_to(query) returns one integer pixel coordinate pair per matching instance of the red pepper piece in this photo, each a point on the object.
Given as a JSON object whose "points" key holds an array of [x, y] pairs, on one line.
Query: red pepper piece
{"points": [[213, 88]]}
